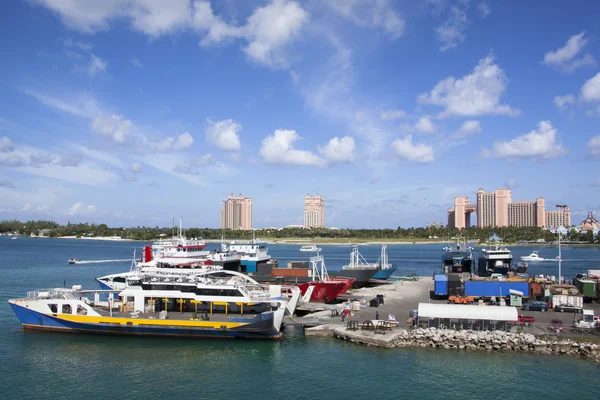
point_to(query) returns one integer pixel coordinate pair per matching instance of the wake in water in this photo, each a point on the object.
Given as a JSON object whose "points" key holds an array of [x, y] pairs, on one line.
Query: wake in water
{"points": [[99, 261]]}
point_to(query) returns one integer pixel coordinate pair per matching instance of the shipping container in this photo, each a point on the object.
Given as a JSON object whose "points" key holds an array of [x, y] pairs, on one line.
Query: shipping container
{"points": [[293, 272], [297, 264], [557, 299], [593, 273], [587, 287], [494, 288], [441, 285], [535, 289]]}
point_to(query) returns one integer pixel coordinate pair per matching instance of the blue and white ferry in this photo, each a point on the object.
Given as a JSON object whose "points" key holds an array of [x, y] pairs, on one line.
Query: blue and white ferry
{"points": [[251, 254]]}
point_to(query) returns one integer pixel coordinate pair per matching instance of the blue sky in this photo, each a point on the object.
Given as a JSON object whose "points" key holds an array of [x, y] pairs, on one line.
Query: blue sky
{"points": [[130, 111]]}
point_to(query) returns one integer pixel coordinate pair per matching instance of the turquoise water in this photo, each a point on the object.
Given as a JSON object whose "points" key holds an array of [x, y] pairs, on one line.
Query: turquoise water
{"points": [[46, 365]]}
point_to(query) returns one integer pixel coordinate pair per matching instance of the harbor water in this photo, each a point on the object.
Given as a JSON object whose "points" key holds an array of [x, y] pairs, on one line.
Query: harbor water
{"points": [[51, 365]]}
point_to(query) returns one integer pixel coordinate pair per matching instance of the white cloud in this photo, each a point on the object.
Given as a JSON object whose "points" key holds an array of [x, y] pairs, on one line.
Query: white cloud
{"points": [[270, 28], [561, 102], [136, 167], [136, 62], [12, 161], [224, 134], [7, 183], [406, 150], [452, 32], [35, 209], [594, 145], [83, 106], [511, 183], [339, 149], [6, 145], [468, 128], [484, 9], [378, 14], [590, 91], [202, 166], [425, 125], [38, 159], [82, 209], [182, 142], [541, 143], [389, 115], [472, 95], [68, 42], [279, 149], [113, 127], [96, 65], [565, 57]]}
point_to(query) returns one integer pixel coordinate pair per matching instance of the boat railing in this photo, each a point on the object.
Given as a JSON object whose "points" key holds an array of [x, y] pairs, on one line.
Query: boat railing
{"points": [[55, 293]]}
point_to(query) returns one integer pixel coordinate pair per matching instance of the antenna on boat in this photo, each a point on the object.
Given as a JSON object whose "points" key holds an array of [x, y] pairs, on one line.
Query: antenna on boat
{"points": [[173, 226]]}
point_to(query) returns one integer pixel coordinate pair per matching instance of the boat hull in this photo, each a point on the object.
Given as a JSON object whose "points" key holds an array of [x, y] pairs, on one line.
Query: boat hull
{"points": [[361, 276], [326, 291], [258, 327], [383, 274]]}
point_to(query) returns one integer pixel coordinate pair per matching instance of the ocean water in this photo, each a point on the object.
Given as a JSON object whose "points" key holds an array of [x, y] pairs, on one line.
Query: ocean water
{"points": [[54, 365]]}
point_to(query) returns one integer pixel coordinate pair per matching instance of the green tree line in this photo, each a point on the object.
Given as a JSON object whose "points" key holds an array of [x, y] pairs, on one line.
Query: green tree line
{"points": [[509, 234]]}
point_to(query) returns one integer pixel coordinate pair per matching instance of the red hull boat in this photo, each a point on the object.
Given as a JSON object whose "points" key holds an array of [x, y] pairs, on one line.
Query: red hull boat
{"points": [[327, 291]]}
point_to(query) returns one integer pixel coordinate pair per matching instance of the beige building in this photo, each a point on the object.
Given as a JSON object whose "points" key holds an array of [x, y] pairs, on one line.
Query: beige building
{"points": [[527, 213], [554, 219], [314, 211], [236, 213], [460, 216]]}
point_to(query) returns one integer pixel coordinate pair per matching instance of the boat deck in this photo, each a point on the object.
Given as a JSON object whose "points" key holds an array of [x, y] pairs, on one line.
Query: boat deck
{"points": [[176, 315]]}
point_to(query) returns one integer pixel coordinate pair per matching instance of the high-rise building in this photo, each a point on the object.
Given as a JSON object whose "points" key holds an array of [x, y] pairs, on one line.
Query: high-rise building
{"points": [[314, 211], [492, 207], [460, 216], [236, 213], [554, 219], [527, 213]]}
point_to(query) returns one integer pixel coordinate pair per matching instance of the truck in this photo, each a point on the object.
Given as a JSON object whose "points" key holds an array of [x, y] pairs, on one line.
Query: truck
{"points": [[526, 320], [587, 321]]}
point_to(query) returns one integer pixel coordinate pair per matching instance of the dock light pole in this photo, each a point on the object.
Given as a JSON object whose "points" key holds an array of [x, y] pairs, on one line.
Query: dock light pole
{"points": [[428, 294], [561, 229]]}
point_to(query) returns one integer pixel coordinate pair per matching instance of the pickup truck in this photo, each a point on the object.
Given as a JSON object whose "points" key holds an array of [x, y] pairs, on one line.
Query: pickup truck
{"points": [[526, 320]]}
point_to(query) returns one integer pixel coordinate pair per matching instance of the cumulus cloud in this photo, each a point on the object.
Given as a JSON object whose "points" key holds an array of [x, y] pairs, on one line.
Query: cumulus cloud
{"points": [[452, 32], [224, 134], [425, 125], [467, 129], [590, 91], [182, 142], [472, 95], [12, 161], [68, 42], [594, 145], [114, 127], [82, 209], [375, 15], [6, 145], [484, 9], [561, 102], [339, 149], [279, 149], [38, 159], [389, 115], [511, 183], [566, 59], [541, 143], [407, 150], [136, 62]]}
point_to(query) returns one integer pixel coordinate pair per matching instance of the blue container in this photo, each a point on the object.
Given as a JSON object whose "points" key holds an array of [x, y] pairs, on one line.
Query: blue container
{"points": [[494, 288], [441, 285]]}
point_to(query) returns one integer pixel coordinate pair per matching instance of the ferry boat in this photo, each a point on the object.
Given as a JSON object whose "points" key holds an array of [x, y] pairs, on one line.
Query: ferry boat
{"points": [[458, 258], [252, 254], [216, 304], [497, 259], [385, 268], [358, 269], [534, 256], [310, 248]]}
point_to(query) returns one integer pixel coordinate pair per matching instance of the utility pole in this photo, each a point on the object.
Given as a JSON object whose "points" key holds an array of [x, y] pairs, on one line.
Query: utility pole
{"points": [[559, 229]]}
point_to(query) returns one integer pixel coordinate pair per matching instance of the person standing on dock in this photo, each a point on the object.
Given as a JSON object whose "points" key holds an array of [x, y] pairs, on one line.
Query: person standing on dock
{"points": [[377, 315]]}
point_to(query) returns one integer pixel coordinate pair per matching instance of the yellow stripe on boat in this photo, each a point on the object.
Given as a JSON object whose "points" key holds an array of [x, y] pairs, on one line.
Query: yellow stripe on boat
{"points": [[89, 319]]}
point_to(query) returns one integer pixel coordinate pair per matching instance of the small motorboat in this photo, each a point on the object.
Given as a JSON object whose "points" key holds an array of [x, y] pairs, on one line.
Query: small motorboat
{"points": [[310, 248], [73, 261], [534, 256]]}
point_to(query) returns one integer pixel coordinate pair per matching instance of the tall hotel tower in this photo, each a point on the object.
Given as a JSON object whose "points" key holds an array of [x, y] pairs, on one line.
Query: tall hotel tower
{"points": [[237, 213], [314, 211]]}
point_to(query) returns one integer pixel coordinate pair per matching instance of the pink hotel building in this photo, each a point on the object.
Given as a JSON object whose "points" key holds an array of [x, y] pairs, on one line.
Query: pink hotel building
{"points": [[497, 209]]}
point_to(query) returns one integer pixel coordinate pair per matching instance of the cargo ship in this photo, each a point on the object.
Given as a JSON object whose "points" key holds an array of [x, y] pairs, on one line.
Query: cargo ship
{"points": [[458, 258], [358, 269], [214, 304], [497, 259], [385, 268]]}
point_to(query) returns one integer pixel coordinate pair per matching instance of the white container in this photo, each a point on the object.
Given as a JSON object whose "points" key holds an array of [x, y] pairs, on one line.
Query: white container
{"points": [[356, 306], [558, 299]]}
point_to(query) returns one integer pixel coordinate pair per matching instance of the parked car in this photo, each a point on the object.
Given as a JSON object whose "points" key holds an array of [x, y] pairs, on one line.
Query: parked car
{"points": [[535, 306], [497, 277], [556, 325], [597, 320], [526, 320], [566, 307]]}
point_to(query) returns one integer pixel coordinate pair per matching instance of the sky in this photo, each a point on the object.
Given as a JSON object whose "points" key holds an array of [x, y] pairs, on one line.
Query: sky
{"points": [[129, 112]]}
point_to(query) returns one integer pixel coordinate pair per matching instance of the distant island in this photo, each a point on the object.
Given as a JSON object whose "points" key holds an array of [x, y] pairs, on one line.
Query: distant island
{"points": [[432, 234]]}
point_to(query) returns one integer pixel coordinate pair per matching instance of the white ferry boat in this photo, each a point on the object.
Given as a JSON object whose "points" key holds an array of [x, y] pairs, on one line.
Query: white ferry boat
{"points": [[251, 254], [310, 248], [213, 304]]}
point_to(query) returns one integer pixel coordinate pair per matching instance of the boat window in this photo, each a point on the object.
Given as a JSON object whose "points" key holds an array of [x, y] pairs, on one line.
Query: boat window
{"points": [[53, 308], [129, 299], [81, 310], [66, 309], [119, 279]]}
